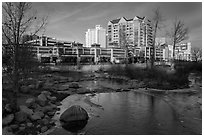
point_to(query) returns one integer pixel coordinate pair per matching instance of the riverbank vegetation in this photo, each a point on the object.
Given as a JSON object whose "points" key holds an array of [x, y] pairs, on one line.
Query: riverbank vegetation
{"points": [[159, 77]]}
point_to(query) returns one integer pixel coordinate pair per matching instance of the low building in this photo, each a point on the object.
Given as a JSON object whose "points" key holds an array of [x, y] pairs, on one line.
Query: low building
{"points": [[50, 41], [183, 51], [49, 49]]}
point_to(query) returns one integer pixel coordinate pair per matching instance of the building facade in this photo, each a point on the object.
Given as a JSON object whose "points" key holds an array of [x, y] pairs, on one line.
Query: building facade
{"points": [[122, 32], [50, 42], [48, 48], [96, 36], [183, 51]]}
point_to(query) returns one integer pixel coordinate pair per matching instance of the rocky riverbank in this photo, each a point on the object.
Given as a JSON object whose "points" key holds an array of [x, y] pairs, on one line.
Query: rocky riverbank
{"points": [[34, 117]]}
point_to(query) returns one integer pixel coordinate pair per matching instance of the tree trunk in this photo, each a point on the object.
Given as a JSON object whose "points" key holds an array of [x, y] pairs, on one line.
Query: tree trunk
{"points": [[16, 78], [173, 61]]}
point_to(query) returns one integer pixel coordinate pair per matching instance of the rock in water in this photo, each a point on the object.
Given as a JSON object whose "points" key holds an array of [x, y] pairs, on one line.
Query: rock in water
{"points": [[74, 113], [74, 118]]}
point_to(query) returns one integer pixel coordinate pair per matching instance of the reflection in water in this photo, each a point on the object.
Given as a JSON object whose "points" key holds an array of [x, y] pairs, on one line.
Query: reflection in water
{"points": [[129, 113], [74, 126]]}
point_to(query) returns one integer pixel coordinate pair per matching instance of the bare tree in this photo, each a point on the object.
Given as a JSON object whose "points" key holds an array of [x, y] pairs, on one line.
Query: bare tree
{"points": [[178, 34], [196, 54], [18, 19], [157, 21]]}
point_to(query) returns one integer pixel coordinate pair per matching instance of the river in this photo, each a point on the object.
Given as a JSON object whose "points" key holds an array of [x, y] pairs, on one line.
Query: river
{"points": [[128, 113]]}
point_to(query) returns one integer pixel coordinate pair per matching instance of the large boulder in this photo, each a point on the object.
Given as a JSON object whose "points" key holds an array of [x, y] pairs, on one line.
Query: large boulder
{"points": [[7, 120], [74, 118], [74, 113]]}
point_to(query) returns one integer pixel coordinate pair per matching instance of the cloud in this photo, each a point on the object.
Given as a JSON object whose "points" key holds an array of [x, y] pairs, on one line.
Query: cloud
{"points": [[86, 18], [65, 15], [70, 20], [64, 11]]}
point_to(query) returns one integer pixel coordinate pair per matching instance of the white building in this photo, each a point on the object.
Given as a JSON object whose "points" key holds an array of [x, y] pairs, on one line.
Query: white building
{"points": [[96, 36], [182, 52], [135, 32]]}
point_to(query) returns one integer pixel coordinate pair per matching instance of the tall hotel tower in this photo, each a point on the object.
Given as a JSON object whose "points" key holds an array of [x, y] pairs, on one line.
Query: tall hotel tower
{"points": [[136, 32]]}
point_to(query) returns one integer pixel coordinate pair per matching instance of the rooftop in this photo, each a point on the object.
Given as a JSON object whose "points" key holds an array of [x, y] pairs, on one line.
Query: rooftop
{"points": [[117, 20]]}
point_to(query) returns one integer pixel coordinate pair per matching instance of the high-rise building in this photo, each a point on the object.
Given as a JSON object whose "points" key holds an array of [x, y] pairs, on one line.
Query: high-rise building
{"points": [[136, 32], [96, 36]]}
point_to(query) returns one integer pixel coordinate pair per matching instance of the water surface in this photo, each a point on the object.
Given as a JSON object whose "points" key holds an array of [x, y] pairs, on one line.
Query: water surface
{"points": [[134, 113]]}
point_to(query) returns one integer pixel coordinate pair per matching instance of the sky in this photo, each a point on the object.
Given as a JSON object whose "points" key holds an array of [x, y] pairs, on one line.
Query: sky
{"points": [[70, 20]]}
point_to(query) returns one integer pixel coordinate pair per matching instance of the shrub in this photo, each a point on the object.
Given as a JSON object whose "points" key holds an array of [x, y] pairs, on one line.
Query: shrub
{"points": [[187, 67], [154, 78]]}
